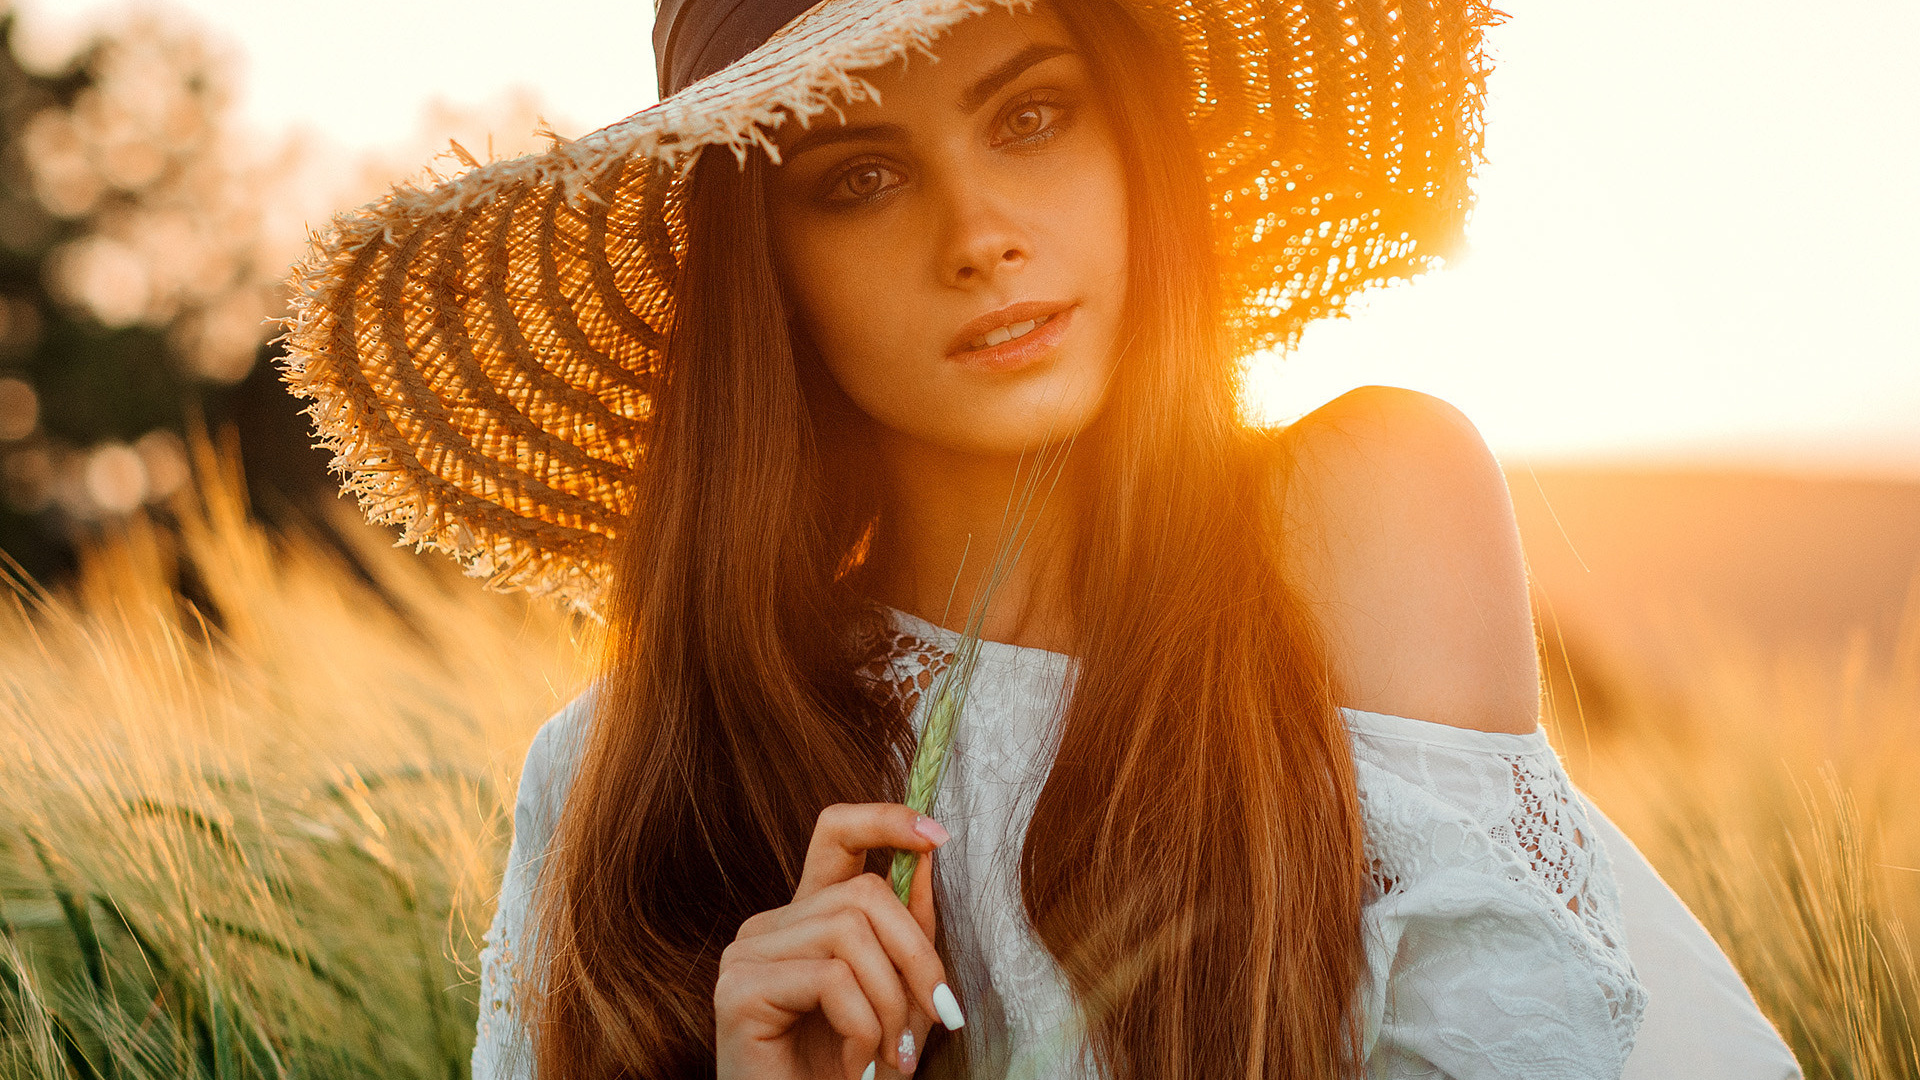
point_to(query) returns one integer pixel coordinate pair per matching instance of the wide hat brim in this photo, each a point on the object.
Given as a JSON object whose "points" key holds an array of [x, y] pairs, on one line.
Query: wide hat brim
{"points": [[480, 353]]}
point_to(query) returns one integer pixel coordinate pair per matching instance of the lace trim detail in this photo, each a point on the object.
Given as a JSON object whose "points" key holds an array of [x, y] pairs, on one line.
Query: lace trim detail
{"points": [[903, 668], [501, 1048], [501, 1045], [1550, 829], [1525, 804]]}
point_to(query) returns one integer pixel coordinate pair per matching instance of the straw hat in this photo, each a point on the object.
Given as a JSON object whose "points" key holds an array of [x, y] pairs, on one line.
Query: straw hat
{"points": [[479, 353]]}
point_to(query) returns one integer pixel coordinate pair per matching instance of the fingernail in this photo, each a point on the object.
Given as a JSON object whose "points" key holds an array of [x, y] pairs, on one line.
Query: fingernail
{"points": [[868, 1073], [932, 830], [945, 1004], [906, 1051]]}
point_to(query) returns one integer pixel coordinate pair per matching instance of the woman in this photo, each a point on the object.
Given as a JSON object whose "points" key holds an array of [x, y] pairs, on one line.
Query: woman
{"points": [[763, 410]]}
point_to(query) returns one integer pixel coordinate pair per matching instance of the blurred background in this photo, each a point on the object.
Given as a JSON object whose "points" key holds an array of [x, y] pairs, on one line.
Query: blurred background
{"points": [[260, 766], [153, 192]]}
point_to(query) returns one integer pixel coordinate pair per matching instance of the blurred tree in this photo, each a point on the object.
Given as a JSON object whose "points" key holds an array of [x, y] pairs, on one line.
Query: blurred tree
{"points": [[136, 283]]}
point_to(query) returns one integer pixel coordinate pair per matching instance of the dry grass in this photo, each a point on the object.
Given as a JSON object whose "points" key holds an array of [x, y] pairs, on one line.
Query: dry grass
{"points": [[258, 833], [254, 801], [1775, 789]]}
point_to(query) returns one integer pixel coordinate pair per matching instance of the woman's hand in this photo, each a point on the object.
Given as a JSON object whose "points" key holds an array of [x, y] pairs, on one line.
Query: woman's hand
{"points": [[843, 978]]}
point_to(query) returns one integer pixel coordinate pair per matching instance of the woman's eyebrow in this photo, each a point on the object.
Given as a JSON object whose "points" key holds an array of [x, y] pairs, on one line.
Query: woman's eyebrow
{"points": [[989, 84], [823, 136], [971, 100]]}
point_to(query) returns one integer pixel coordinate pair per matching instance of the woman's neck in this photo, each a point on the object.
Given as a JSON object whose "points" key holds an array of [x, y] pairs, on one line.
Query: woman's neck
{"points": [[940, 527]]}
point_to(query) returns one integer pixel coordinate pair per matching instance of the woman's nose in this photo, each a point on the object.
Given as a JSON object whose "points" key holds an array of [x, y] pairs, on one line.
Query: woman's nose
{"points": [[983, 244], [986, 261]]}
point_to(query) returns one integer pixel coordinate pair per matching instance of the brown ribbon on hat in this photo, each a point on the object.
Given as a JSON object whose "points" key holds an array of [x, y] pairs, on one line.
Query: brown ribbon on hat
{"points": [[692, 39]]}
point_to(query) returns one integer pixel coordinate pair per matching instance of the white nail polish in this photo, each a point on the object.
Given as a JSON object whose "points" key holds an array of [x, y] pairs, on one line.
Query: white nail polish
{"points": [[868, 1073], [905, 1051], [948, 1007]]}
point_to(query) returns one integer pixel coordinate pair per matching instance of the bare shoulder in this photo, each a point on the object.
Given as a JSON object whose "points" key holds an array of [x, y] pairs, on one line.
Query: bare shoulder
{"points": [[1399, 531]]}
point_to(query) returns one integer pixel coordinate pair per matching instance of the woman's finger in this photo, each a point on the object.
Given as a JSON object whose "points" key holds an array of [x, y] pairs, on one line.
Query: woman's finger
{"points": [[946, 1004], [769, 998], [811, 927], [918, 1032], [845, 832], [920, 897], [847, 935], [920, 905]]}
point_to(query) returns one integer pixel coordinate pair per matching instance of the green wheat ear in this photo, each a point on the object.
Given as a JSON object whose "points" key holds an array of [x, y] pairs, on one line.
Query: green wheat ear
{"points": [[929, 765], [950, 691]]}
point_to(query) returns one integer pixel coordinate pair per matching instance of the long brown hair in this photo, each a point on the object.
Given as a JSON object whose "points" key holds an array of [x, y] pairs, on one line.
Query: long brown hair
{"points": [[1194, 862]]}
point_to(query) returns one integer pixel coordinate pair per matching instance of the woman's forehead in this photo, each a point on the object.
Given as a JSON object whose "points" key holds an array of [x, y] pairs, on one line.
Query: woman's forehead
{"points": [[968, 65]]}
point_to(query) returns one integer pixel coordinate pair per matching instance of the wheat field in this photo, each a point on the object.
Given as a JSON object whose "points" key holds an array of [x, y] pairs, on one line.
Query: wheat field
{"points": [[256, 793]]}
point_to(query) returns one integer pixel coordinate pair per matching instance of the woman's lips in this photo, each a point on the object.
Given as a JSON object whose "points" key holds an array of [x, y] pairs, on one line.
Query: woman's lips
{"points": [[1044, 325]]}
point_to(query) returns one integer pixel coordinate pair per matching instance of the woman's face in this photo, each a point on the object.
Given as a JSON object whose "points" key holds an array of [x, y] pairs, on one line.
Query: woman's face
{"points": [[958, 252]]}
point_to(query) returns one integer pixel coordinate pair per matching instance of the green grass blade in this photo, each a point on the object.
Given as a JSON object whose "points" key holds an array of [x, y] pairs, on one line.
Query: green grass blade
{"points": [[226, 1064], [78, 918], [77, 1059], [18, 993], [259, 1049], [156, 961]]}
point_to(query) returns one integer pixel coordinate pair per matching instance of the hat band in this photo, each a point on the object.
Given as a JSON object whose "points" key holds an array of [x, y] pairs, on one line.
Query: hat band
{"points": [[692, 39]]}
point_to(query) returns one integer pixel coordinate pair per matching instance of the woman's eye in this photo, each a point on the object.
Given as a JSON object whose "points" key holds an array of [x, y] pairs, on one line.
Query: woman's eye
{"points": [[862, 182], [1031, 121], [1026, 122]]}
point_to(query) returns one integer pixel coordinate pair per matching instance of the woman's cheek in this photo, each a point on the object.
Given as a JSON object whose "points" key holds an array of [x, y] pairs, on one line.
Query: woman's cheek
{"points": [[1102, 205], [852, 317]]}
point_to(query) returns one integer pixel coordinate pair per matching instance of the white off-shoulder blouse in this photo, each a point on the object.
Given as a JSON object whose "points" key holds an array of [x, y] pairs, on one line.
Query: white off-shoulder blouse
{"points": [[1496, 934]]}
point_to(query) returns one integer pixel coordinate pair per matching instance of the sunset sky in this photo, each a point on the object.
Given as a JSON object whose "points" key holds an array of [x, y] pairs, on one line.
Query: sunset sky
{"points": [[1698, 233]]}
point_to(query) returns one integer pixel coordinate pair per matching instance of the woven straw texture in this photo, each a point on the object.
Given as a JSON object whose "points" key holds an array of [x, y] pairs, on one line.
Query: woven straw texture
{"points": [[479, 353]]}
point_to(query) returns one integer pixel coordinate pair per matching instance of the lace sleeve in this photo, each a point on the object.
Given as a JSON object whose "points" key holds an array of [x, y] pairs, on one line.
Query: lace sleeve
{"points": [[1494, 933], [501, 1048]]}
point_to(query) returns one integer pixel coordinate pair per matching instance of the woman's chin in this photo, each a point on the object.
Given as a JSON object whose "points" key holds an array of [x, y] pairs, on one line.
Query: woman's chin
{"points": [[1000, 418], [995, 438]]}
